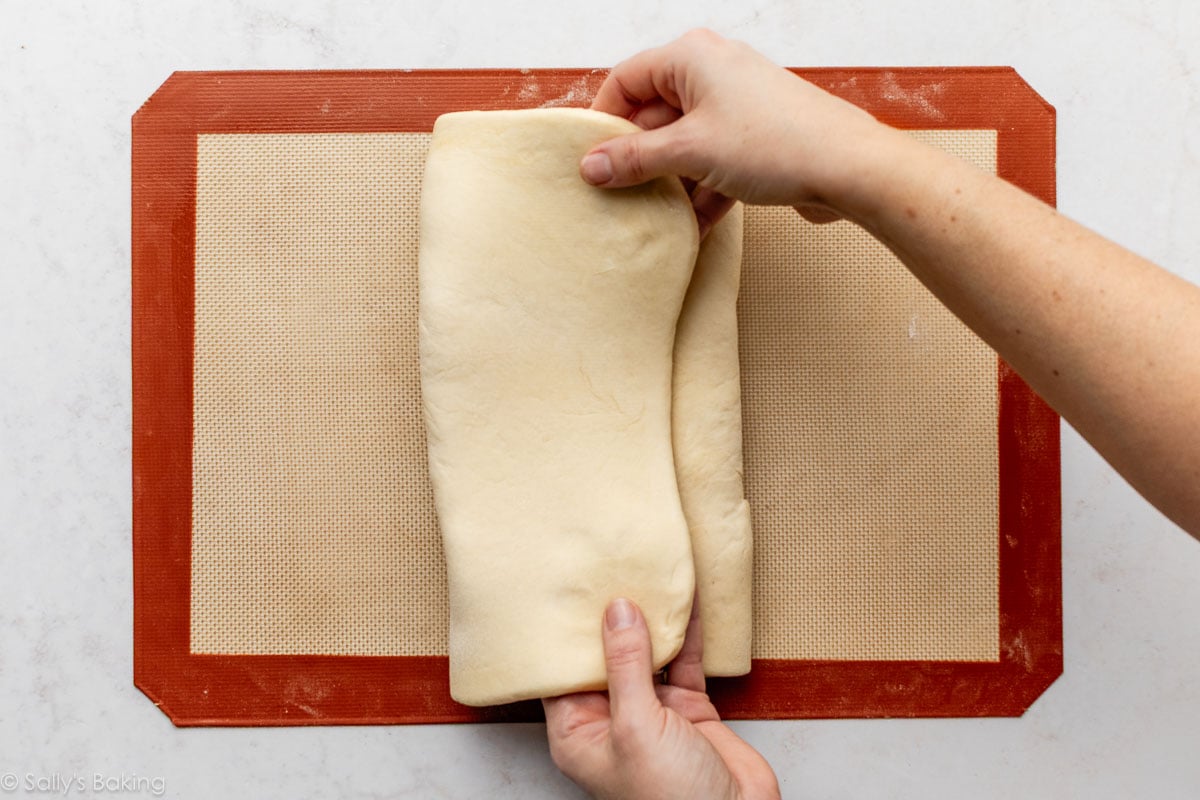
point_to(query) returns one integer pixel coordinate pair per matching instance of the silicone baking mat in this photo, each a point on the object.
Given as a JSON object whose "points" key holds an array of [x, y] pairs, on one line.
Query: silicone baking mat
{"points": [[287, 565]]}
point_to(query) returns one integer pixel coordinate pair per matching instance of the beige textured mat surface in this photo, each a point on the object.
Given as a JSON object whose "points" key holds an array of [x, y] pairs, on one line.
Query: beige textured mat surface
{"points": [[870, 422]]}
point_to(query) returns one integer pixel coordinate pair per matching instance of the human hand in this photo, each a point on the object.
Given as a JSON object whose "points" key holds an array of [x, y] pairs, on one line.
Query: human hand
{"points": [[640, 740], [720, 114]]}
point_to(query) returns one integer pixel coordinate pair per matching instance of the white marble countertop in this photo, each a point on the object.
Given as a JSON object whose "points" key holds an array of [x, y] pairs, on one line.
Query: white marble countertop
{"points": [[1123, 721]]}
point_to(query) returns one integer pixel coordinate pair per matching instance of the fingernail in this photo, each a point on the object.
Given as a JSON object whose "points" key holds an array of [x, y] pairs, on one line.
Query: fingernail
{"points": [[596, 168], [620, 614]]}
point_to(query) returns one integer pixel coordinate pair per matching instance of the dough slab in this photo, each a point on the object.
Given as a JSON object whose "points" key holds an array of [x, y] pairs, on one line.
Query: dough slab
{"points": [[707, 433], [547, 323]]}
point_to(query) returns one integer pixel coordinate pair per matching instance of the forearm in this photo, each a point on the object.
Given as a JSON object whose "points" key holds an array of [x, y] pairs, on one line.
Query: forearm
{"points": [[1111, 341]]}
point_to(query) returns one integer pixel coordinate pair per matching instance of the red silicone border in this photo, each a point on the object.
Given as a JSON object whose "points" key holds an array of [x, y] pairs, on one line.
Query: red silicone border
{"points": [[295, 690]]}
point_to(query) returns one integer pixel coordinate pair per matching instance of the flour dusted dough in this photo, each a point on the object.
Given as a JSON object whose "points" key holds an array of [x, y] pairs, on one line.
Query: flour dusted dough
{"points": [[547, 323], [707, 433]]}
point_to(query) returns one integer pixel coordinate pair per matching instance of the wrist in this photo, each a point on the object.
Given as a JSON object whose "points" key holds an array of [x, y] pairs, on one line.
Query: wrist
{"points": [[873, 166]]}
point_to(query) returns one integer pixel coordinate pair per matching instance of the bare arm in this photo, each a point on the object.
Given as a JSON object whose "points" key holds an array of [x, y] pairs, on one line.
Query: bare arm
{"points": [[1110, 340]]}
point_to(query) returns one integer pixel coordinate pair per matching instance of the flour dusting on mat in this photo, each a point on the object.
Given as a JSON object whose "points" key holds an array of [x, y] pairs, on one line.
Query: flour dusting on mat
{"points": [[920, 99], [529, 89], [578, 93]]}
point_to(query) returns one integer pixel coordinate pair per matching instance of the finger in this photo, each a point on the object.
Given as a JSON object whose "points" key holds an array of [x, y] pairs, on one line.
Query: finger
{"points": [[750, 770], [628, 659], [818, 215], [576, 725], [560, 712], [640, 157], [687, 670], [692, 706], [660, 72], [566, 714], [636, 81], [709, 206], [655, 114]]}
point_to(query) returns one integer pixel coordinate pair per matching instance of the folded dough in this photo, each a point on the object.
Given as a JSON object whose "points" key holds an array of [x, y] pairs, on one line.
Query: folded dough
{"points": [[707, 433], [547, 323]]}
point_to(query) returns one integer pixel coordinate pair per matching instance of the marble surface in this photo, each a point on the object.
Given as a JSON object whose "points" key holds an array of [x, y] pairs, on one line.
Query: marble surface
{"points": [[1123, 721]]}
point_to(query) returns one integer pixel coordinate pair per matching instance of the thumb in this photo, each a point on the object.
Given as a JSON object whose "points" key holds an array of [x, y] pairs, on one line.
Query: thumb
{"points": [[638, 157], [627, 657]]}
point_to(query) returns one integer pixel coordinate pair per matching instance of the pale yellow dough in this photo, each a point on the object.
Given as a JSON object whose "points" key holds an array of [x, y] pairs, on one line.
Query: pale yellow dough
{"points": [[707, 419], [547, 324]]}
